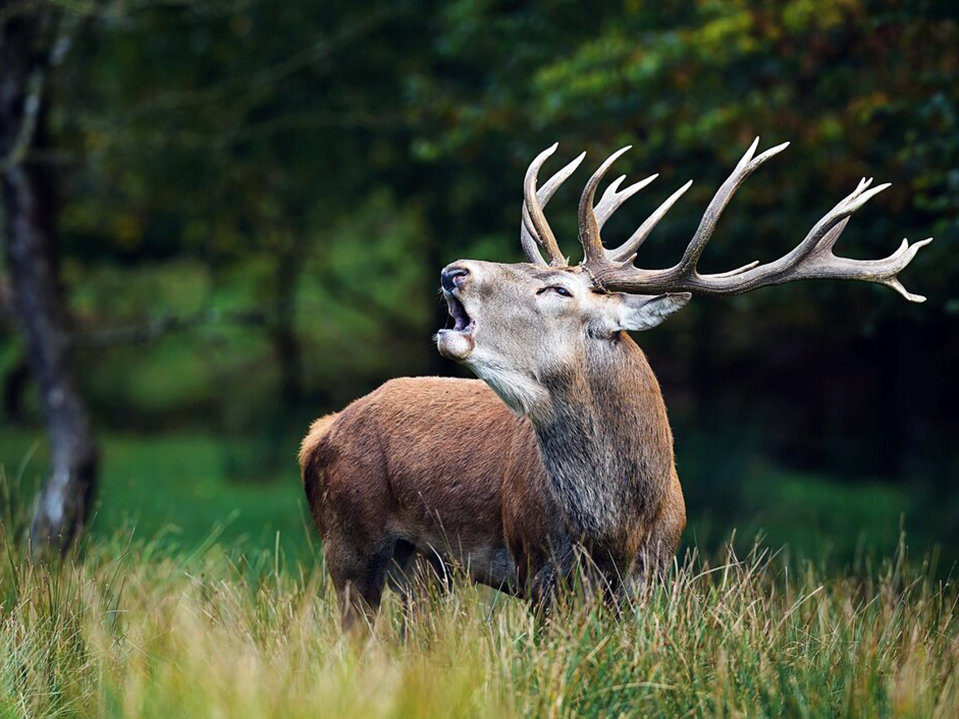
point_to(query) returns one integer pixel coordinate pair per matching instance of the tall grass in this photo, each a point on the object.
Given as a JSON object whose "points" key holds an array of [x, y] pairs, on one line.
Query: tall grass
{"points": [[137, 629]]}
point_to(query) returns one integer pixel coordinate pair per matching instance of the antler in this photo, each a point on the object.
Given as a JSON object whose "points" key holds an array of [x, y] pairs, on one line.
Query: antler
{"points": [[535, 233], [812, 258]]}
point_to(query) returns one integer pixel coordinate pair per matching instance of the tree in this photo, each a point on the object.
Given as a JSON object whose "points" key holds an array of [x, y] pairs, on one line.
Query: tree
{"points": [[33, 41]]}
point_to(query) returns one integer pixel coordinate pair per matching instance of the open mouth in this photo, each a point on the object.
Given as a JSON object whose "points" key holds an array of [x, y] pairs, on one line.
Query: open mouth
{"points": [[462, 322], [456, 343]]}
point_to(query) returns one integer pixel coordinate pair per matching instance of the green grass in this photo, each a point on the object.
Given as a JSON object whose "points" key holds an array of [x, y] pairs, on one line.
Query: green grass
{"points": [[134, 630], [197, 595], [178, 488]]}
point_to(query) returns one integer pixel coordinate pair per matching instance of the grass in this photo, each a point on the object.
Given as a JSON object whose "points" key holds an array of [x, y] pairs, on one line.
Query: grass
{"points": [[194, 595], [177, 488], [130, 629]]}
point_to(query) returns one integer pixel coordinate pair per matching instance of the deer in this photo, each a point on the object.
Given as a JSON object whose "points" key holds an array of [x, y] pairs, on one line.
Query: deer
{"points": [[561, 449]]}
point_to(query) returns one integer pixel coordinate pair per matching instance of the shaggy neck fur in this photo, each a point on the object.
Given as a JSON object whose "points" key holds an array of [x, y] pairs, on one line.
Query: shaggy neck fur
{"points": [[606, 442]]}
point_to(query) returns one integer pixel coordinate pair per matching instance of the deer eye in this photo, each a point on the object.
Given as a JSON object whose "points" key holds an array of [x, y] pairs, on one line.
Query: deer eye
{"points": [[558, 289]]}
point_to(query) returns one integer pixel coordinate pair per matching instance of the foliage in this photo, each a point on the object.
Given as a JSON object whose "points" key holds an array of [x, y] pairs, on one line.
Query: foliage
{"points": [[288, 179], [318, 164]]}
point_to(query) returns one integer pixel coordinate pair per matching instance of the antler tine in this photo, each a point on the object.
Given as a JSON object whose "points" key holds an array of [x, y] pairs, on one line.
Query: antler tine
{"points": [[592, 219], [627, 250], [613, 197], [530, 243], [813, 258], [824, 233], [535, 232], [746, 166], [588, 222]]}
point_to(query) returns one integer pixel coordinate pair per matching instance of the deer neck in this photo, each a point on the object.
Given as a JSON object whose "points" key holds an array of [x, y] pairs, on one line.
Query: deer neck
{"points": [[606, 442]]}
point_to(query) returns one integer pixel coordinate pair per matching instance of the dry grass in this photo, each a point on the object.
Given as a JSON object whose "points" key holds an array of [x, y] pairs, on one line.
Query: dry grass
{"points": [[133, 631]]}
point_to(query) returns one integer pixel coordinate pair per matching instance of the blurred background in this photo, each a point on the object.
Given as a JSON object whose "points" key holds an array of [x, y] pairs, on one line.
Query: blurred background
{"points": [[243, 206]]}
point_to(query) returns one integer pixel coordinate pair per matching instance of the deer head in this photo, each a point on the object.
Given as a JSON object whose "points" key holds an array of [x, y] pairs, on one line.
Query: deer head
{"points": [[519, 325]]}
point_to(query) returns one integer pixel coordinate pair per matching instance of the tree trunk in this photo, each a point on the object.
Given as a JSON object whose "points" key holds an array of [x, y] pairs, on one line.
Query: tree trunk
{"points": [[29, 205]]}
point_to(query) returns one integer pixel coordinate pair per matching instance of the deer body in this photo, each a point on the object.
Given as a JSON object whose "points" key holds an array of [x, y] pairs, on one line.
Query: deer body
{"points": [[400, 472], [563, 452], [442, 468]]}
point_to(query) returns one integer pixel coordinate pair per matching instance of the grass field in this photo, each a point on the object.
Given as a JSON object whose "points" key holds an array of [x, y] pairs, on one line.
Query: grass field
{"points": [[195, 595], [175, 490], [134, 630]]}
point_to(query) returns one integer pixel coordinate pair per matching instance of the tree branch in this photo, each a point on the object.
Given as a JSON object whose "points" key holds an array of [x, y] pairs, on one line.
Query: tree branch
{"points": [[28, 121], [66, 26]]}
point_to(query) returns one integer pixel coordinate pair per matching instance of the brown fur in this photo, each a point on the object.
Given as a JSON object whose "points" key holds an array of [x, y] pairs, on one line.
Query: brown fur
{"points": [[440, 466]]}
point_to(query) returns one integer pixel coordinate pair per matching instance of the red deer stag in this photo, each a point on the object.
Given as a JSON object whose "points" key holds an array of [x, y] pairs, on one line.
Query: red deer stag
{"points": [[584, 461]]}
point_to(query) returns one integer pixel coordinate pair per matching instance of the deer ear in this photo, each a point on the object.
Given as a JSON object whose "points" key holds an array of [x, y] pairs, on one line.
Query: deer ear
{"points": [[643, 312]]}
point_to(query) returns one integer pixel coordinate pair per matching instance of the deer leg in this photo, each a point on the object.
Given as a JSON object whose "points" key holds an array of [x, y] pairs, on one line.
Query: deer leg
{"points": [[652, 562], [359, 577], [401, 578], [542, 592], [550, 580]]}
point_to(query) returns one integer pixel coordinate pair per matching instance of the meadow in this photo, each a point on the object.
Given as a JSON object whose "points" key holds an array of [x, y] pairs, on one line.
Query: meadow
{"points": [[194, 596], [132, 630]]}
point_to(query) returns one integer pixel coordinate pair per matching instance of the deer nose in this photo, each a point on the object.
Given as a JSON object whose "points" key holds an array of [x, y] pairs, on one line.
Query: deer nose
{"points": [[453, 276]]}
